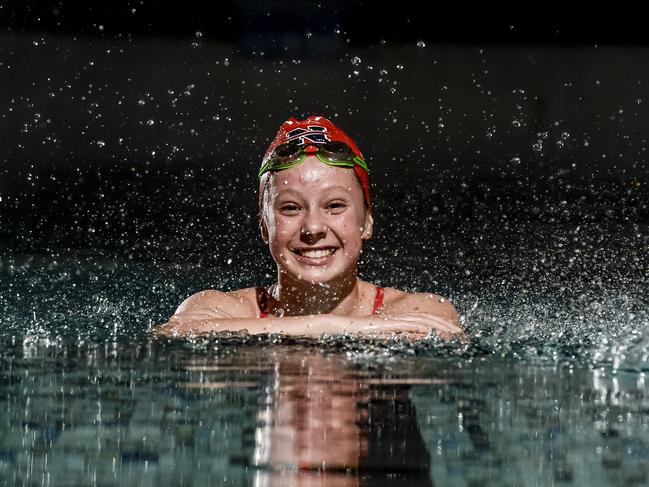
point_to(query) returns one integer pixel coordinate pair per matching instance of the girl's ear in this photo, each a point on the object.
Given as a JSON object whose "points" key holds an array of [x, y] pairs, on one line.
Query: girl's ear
{"points": [[368, 226], [263, 229]]}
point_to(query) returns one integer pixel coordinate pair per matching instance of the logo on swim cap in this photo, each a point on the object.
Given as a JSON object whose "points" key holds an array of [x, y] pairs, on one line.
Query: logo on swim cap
{"points": [[314, 134]]}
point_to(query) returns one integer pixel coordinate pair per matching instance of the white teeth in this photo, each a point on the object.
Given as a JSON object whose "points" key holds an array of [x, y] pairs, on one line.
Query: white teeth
{"points": [[316, 254]]}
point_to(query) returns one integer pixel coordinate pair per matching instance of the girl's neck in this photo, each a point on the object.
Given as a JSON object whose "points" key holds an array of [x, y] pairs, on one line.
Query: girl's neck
{"points": [[293, 297]]}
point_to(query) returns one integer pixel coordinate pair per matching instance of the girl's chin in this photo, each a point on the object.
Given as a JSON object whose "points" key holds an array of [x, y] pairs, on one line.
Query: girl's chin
{"points": [[299, 270], [313, 275]]}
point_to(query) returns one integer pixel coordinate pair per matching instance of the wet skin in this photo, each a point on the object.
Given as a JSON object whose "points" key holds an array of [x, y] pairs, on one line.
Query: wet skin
{"points": [[314, 220]]}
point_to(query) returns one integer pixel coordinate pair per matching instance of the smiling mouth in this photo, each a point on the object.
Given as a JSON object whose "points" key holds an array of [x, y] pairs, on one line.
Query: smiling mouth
{"points": [[315, 253]]}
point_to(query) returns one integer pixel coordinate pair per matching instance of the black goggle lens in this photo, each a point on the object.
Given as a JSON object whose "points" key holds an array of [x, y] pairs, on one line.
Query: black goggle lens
{"points": [[287, 150], [338, 150]]}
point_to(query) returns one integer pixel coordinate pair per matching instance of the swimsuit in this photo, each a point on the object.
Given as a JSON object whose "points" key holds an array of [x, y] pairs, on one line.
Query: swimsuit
{"points": [[262, 300]]}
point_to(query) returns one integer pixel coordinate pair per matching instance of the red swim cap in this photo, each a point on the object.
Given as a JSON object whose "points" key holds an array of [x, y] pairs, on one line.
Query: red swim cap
{"points": [[314, 130]]}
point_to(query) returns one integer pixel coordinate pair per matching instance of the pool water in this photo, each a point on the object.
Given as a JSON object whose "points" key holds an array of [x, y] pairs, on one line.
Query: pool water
{"points": [[550, 390], [256, 413]]}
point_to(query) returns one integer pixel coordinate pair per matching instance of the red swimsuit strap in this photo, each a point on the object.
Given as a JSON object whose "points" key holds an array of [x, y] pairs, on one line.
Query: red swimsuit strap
{"points": [[378, 299], [262, 301]]}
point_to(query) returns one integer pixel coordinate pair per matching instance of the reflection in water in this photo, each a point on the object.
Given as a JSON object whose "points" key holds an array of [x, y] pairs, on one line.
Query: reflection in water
{"points": [[321, 424]]}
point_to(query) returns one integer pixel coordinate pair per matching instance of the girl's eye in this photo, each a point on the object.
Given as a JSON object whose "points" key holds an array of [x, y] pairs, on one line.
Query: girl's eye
{"points": [[289, 207], [337, 206]]}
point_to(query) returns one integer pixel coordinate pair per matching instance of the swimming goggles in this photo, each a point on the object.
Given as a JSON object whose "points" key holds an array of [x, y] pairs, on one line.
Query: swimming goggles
{"points": [[334, 153]]}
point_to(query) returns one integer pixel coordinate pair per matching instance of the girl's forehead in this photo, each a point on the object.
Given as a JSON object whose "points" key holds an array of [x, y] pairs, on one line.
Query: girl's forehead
{"points": [[313, 175]]}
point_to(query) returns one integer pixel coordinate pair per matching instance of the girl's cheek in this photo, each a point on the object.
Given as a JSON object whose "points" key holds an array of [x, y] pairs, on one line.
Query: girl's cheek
{"points": [[283, 227]]}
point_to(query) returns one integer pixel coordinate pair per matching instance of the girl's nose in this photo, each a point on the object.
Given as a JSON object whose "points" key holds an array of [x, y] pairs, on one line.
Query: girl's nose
{"points": [[314, 227]]}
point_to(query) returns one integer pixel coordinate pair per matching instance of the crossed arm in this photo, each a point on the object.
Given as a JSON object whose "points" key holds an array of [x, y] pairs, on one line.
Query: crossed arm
{"points": [[415, 316]]}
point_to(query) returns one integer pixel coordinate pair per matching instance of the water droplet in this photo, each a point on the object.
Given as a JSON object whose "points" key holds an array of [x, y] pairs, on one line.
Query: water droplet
{"points": [[356, 61], [421, 44]]}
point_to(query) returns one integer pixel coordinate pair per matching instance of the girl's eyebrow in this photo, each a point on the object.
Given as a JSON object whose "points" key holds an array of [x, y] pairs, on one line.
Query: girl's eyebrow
{"points": [[341, 188], [288, 190]]}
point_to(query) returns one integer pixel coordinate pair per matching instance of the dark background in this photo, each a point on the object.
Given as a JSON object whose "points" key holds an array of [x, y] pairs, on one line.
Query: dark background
{"points": [[138, 127]]}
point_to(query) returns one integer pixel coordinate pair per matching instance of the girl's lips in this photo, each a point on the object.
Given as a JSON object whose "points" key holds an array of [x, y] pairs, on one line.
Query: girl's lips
{"points": [[314, 261]]}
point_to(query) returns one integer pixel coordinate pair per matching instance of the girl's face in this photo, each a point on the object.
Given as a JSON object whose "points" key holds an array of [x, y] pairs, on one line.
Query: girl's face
{"points": [[314, 220]]}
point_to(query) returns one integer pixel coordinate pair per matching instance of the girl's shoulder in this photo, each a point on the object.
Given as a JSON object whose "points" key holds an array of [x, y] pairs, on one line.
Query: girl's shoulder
{"points": [[240, 303], [397, 301]]}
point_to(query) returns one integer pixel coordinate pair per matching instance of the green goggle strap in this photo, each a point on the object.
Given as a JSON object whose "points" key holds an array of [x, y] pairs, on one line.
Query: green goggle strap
{"points": [[270, 166]]}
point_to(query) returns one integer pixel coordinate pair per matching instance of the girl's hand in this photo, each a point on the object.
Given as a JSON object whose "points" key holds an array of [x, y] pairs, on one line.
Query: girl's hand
{"points": [[189, 322], [415, 323]]}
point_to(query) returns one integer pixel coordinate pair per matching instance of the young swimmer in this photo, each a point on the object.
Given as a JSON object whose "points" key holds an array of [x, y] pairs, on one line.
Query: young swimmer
{"points": [[315, 213]]}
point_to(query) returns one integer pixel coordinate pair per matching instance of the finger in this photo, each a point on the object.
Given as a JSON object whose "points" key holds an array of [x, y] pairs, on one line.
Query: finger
{"points": [[193, 315], [216, 312], [397, 328], [447, 335], [427, 316], [442, 327], [408, 326], [463, 337], [197, 316], [433, 324], [166, 328], [436, 321], [177, 329], [447, 326], [440, 319], [443, 331]]}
